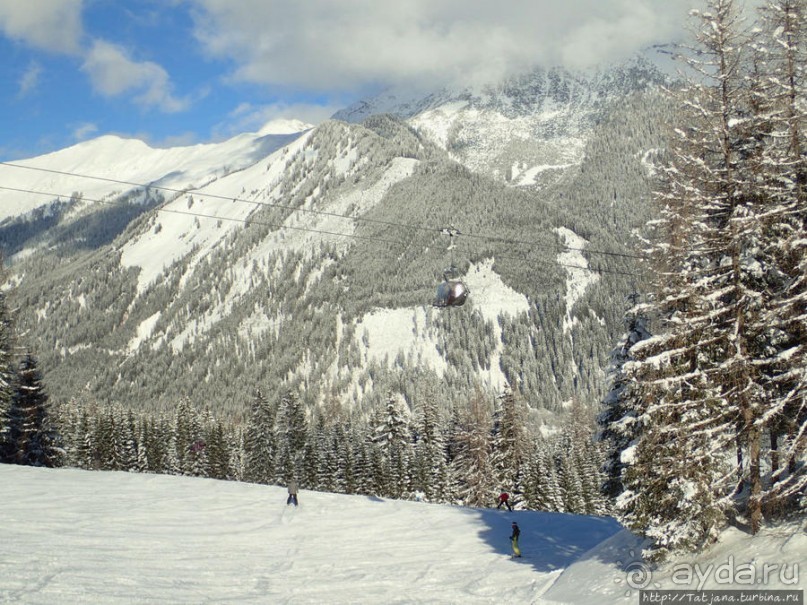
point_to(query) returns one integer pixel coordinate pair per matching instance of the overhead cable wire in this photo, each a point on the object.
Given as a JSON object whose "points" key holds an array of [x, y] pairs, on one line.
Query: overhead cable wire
{"points": [[481, 236], [145, 186], [246, 221]]}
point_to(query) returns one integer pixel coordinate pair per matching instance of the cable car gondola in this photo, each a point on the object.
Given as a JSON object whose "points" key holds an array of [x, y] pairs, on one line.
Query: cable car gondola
{"points": [[452, 292]]}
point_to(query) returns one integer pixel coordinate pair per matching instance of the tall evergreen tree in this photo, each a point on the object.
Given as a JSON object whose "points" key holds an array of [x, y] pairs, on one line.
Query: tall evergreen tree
{"points": [[618, 422], [511, 444], [33, 440], [6, 371], [260, 441], [292, 432], [430, 465], [472, 463], [675, 489], [392, 438], [783, 170], [725, 372], [541, 486]]}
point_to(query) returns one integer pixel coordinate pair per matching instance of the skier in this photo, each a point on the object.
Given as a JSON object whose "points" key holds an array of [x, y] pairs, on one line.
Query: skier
{"points": [[292, 499], [514, 540], [504, 498]]}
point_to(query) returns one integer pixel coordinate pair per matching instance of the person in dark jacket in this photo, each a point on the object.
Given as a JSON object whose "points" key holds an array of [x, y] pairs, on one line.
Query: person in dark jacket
{"points": [[516, 532]]}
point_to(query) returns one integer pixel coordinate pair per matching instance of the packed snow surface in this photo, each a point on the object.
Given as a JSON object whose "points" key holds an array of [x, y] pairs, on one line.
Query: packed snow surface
{"points": [[81, 537]]}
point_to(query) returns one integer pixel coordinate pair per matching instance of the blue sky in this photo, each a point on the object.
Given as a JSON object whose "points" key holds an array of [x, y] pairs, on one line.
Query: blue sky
{"points": [[176, 72]]}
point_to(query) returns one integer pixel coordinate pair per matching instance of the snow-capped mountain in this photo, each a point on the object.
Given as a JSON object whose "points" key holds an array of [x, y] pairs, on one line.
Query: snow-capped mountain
{"points": [[117, 165], [527, 130], [310, 256]]}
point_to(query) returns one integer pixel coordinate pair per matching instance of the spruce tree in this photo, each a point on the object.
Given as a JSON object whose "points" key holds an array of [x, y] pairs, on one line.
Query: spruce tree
{"points": [[783, 170], [618, 422], [723, 377], [472, 466], [6, 373], [292, 432], [260, 441], [430, 473], [392, 438], [511, 444], [33, 440]]}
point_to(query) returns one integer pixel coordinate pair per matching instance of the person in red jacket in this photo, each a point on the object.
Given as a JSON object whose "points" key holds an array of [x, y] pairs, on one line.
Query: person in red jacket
{"points": [[504, 498]]}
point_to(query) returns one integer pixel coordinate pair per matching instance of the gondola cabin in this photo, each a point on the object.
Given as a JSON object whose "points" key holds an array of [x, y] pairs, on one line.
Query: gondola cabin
{"points": [[451, 293]]}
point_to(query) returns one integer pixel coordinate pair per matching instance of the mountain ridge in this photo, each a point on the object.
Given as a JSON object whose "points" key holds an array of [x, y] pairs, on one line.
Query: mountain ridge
{"points": [[270, 270]]}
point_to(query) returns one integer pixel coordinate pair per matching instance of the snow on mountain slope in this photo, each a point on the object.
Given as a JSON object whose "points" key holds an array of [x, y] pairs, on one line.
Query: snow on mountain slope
{"points": [[514, 147], [126, 538], [114, 538], [111, 157], [386, 334], [527, 130], [201, 219], [579, 277]]}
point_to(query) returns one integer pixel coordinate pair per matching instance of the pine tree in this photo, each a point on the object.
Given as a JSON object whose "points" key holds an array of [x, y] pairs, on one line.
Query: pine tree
{"points": [[260, 441], [618, 420], [189, 447], [783, 170], [430, 474], [292, 431], [511, 444], [6, 374], [392, 438], [218, 451], [33, 440], [472, 465], [708, 383], [541, 487]]}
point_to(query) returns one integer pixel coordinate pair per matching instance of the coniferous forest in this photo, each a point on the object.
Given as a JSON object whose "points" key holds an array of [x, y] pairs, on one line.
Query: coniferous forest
{"points": [[704, 422]]}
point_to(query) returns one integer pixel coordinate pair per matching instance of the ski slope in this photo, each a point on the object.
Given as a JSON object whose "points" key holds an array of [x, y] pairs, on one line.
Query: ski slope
{"points": [[80, 537]]}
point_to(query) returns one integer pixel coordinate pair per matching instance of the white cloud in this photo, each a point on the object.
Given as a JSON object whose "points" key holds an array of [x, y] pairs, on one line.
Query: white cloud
{"points": [[84, 131], [113, 73], [52, 25], [322, 45]]}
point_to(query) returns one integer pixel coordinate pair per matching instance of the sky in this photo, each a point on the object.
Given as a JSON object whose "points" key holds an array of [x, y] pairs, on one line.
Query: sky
{"points": [[106, 538], [181, 72]]}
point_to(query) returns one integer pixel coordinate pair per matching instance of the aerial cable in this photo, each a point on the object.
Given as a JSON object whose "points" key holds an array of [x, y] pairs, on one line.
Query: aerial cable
{"points": [[310, 230], [216, 196], [480, 236], [246, 221]]}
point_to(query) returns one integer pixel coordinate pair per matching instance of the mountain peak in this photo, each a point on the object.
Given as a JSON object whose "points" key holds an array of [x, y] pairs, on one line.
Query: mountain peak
{"points": [[284, 126]]}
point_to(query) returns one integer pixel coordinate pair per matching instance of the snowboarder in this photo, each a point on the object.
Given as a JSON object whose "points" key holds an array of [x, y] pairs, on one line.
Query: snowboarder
{"points": [[514, 539], [292, 499], [504, 498]]}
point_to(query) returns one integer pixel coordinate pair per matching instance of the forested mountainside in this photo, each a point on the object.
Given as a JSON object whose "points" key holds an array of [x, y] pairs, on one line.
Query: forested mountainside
{"points": [[315, 267]]}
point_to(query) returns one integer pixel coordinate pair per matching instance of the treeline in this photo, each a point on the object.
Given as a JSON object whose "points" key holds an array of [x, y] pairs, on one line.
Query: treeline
{"points": [[466, 457]]}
